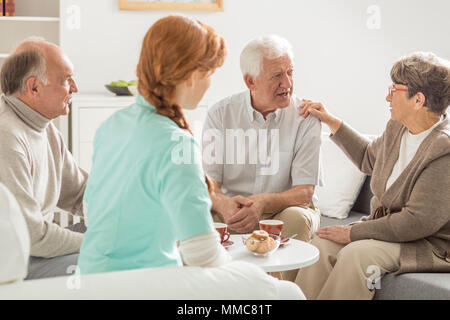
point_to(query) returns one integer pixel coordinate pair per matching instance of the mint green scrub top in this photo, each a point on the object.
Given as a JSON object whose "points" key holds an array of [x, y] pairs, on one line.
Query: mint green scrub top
{"points": [[146, 191]]}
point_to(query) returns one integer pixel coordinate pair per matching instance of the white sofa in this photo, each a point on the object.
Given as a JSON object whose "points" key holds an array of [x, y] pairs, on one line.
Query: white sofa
{"points": [[234, 281]]}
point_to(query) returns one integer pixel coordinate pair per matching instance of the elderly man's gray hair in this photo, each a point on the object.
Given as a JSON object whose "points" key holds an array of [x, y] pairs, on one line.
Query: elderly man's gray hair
{"points": [[269, 46], [20, 66]]}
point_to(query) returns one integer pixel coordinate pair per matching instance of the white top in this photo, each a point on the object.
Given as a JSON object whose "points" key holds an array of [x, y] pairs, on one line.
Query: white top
{"points": [[204, 250], [249, 155], [296, 254], [408, 148]]}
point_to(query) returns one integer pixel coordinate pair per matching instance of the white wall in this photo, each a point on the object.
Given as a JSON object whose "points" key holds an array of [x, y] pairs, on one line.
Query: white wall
{"points": [[339, 60]]}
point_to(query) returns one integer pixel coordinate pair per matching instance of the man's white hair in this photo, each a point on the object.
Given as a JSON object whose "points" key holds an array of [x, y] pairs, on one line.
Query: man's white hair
{"points": [[269, 46]]}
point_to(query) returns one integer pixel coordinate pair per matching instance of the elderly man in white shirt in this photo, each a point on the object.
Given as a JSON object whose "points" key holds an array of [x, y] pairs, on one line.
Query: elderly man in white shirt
{"points": [[263, 157]]}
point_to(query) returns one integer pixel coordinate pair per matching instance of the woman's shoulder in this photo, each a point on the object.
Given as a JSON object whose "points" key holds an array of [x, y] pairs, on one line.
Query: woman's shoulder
{"points": [[440, 143], [148, 134], [139, 116]]}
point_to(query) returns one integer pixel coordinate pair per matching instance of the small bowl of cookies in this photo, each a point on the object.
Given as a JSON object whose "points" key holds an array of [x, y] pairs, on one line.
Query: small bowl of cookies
{"points": [[260, 243]]}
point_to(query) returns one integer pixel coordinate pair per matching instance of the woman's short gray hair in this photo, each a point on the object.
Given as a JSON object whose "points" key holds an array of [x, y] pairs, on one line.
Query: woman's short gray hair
{"points": [[19, 67], [269, 46], [425, 72]]}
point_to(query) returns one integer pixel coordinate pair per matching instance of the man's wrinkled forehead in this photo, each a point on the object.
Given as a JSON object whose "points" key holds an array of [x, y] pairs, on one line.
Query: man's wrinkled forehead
{"points": [[58, 61], [65, 62], [279, 64]]}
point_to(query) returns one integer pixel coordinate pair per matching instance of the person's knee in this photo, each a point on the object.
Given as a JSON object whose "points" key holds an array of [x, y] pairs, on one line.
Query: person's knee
{"points": [[357, 253], [327, 248], [295, 221], [320, 243], [371, 257]]}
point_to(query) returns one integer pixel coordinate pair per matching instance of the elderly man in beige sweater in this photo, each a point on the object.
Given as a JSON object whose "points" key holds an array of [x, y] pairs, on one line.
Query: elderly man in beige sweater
{"points": [[36, 166]]}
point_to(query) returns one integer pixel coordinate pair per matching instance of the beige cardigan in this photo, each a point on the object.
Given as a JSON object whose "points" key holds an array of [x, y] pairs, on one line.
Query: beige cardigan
{"points": [[417, 205]]}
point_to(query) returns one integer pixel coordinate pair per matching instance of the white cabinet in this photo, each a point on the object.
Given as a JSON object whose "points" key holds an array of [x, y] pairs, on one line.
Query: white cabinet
{"points": [[89, 111], [87, 114]]}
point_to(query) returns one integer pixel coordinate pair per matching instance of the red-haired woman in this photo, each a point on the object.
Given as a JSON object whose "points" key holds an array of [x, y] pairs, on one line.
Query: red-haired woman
{"points": [[141, 198]]}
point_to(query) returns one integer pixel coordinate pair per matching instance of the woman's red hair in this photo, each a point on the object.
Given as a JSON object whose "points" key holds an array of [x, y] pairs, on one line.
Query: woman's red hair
{"points": [[173, 48]]}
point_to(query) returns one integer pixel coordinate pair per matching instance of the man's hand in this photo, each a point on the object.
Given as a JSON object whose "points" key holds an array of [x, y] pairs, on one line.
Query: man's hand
{"points": [[246, 218], [232, 205], [339, 234]]}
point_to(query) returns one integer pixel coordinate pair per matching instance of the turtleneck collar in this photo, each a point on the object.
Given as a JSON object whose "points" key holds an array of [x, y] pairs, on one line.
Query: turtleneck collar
{"points": [[31, 117]]}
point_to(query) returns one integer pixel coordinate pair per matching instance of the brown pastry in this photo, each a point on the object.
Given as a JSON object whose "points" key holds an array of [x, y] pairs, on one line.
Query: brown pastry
{"points": [[259, 235], [260, 242]]}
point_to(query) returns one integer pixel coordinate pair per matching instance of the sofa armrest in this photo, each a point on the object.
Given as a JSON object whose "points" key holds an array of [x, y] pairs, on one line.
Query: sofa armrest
{"points": [[237, 280]]}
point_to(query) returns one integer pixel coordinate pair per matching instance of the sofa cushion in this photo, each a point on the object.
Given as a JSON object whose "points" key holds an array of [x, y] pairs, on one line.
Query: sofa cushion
{"points": [[360, 209], [414, 286], [362, 203], [352, 217], [14, 239], [342, 183]]}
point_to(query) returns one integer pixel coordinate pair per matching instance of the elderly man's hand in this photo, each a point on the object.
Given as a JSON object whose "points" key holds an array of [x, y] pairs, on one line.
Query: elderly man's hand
{"points": [[246, 218], [233, 205], [339, 234]]}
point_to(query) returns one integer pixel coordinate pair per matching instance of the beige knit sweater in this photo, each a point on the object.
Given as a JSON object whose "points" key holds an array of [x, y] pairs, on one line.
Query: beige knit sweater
{"points": [[37, 168], [417, 204]]}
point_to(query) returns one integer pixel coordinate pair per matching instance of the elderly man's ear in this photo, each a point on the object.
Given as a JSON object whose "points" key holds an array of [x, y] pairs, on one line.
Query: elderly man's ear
{"points": [[250, 82], [33, 86]]}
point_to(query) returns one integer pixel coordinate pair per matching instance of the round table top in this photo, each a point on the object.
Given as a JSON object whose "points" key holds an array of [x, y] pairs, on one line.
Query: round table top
{"points": [[296, 254]]}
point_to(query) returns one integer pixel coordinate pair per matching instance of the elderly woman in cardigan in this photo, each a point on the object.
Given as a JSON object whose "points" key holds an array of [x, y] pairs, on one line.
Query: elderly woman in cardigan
{"points": [[408, 229]]}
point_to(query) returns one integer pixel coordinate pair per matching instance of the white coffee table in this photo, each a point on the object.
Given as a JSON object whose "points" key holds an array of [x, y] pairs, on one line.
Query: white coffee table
{"points": [[296, 254]]}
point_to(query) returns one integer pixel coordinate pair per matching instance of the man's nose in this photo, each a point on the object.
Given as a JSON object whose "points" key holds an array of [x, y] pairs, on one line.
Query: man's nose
{"points": [[73, 87], [286, 81]]}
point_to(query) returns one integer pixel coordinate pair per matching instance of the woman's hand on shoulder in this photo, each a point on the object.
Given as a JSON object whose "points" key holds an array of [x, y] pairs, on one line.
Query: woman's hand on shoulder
{"points": [[317, 109]]}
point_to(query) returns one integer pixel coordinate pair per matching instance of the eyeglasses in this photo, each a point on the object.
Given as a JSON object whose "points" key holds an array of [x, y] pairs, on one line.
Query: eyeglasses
{"points": [[392, 89]]}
